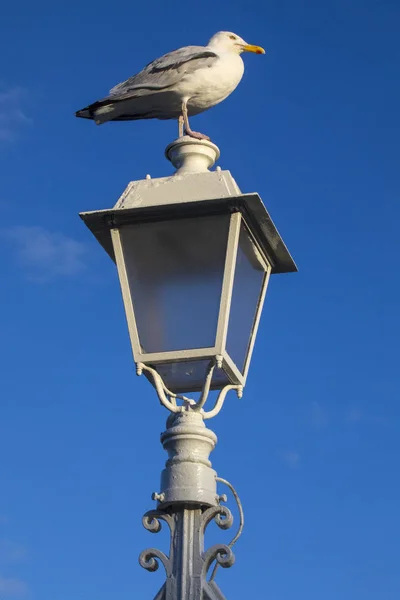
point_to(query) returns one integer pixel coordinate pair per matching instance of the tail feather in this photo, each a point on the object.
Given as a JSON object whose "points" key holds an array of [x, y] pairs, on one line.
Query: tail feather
{"points": [[100, 111], [84, 113], [105, 110], [164, 105]]}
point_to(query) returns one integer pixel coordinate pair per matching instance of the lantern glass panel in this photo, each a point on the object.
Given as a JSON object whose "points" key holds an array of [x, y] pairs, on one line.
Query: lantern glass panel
{"points": [[248, 283], [175, 271]]}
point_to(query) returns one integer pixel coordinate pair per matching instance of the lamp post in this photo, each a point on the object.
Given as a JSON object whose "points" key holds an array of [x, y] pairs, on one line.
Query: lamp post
{"points": [[194, 257]]}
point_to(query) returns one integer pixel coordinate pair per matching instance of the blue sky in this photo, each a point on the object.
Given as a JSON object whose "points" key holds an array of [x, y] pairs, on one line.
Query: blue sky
{"points": [[313, 446]]}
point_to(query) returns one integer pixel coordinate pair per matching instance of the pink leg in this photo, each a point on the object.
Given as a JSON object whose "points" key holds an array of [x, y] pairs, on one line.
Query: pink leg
{"points": [[194, 134], [180, 126]]}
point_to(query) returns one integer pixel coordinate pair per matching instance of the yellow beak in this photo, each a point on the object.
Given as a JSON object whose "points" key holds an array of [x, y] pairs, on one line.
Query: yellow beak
{"points": [[255, 49]]}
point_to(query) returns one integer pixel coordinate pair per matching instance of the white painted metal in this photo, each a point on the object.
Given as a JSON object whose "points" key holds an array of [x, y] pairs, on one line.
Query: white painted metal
{"points": [[189, 155], [169, 398], [209, 414], [232, 369], [253, 334], [188, 476], [175, 355], [126, 292], [263, 259], [256, 323], [188, 502], [191, 195], [187, 564], [178, 188], [227, 284]]}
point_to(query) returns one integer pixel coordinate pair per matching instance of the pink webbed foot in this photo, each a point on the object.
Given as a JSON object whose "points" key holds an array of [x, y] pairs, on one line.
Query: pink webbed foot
{"points": [[197, 135]]}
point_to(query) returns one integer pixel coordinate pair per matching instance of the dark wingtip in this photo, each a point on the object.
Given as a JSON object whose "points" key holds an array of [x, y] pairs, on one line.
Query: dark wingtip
{"points": [[84, 113]]}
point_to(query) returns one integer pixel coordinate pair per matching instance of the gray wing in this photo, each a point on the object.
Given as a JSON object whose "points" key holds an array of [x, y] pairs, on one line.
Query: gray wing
{"points": [[166, 71]]}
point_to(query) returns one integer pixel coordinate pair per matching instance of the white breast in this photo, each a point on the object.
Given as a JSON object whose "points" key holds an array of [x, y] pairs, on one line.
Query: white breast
{"points": [[209, 86]]}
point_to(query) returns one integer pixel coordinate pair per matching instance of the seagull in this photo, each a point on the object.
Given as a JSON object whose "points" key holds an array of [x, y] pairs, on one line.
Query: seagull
{"points": [[180, 84]]}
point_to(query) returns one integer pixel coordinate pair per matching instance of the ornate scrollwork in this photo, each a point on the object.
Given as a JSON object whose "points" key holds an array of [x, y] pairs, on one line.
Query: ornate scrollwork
{"points": [[219, 552], [151, 520], [149, 560], [224, 519], [190, 570], [152, 524], [187, 560], [220, 514]]}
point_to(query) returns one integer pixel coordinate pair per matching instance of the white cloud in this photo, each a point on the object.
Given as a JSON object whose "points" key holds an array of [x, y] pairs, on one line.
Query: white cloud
{"points": [[11, 588], [291, 459], [12, 112], [46, 255]]}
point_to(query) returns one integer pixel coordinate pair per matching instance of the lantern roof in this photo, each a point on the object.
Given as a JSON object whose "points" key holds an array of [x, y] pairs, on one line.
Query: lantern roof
{"points": [[190, 195]]}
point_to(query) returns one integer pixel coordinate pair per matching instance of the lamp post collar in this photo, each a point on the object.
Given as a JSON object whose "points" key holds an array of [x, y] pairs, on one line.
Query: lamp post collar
{"points": [[189, 155]]}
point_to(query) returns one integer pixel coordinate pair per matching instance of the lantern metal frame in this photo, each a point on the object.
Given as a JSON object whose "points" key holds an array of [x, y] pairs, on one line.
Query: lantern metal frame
{"points": [[219, 349], [246, 209]]}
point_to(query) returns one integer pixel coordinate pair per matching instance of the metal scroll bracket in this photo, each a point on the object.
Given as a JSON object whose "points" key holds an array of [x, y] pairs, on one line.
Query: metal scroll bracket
{"points": [[170, 400]]}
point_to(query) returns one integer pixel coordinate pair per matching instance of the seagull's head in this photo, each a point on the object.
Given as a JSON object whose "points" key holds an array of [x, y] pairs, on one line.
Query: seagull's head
{"points": [[226, 41]]}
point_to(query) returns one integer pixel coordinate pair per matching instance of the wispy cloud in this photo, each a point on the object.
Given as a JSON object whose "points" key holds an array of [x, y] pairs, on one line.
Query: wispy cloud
{"points": [[319, 416], [11, 588], [10, 552], [13, 114], [355, 415], [291, 459], [46, 255]]}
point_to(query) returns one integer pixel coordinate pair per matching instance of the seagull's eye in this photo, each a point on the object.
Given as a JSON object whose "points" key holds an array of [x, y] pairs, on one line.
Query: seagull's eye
{"points": [[233, 37]]}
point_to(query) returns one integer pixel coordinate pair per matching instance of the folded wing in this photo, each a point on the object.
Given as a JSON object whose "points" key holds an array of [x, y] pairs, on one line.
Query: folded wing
{"points": [[152, 92]]}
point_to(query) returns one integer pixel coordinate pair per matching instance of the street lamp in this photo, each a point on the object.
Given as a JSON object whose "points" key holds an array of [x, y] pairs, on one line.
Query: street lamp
{"points": [[194, 257]]}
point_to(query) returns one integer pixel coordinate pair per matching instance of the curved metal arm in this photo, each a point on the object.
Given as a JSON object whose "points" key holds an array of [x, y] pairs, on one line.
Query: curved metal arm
{"points": [[162, 390], [168, 398], [241, 522], [206, 389], [221, 399]]}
